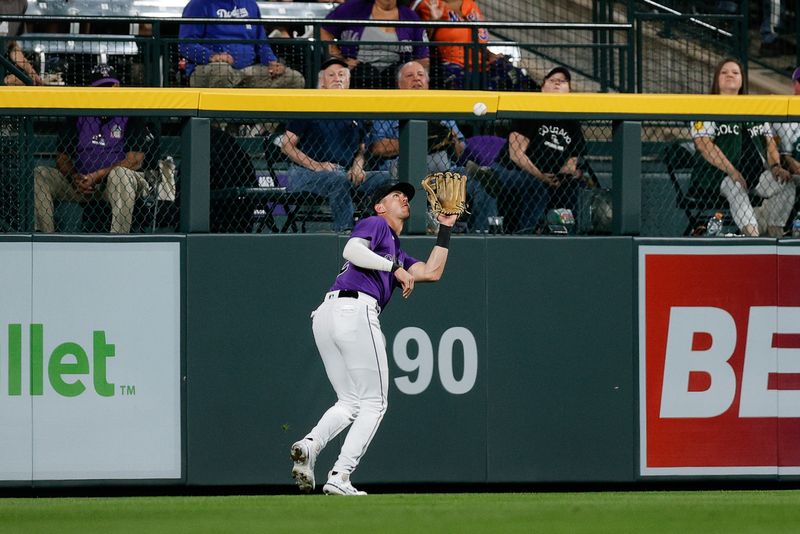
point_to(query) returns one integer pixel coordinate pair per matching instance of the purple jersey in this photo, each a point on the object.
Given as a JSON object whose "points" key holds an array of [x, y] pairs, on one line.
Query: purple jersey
{"points": [[384, 242]]}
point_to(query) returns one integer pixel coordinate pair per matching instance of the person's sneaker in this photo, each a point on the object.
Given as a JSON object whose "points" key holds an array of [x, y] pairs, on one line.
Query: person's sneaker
{"points": [[303, 455], [339, 484]]}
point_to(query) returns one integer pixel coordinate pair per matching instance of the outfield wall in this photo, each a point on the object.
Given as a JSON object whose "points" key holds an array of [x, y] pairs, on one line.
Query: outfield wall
{"points": [[533, 360]]}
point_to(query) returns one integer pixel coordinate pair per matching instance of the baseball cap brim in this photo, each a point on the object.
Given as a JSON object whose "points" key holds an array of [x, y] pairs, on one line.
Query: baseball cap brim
{"points": [[562, 70], [333, 61], [404, 187], [103, 81]]}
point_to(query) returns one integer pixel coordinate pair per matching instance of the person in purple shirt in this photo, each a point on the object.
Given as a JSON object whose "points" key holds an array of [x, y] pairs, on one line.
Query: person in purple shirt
{"points": [[374, 65], [98, 157], [349, 338], [231, 64]]}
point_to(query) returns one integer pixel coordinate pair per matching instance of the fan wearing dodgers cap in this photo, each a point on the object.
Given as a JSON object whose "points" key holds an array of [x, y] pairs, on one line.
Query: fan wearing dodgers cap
{"points": [[99, 157], [349, 339]]}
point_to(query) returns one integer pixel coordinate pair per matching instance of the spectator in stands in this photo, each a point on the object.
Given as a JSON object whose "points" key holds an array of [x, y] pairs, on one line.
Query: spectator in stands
{"points": [[445, 143], [539, 165], [99, 157], [328, 155], [375, 66], [733, 152], [788, 134], [231, 64], [450, 61], [9, 30]]}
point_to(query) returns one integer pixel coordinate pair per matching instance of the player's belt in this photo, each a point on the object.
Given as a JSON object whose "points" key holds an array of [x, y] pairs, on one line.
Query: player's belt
{"points": [[351, 294]]}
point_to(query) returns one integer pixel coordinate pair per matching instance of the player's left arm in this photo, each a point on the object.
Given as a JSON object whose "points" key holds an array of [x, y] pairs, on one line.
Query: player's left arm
{"points": [[432, 269]]}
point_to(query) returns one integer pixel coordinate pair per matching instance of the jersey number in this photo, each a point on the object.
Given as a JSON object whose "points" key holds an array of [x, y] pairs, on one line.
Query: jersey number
{"points": [[423, 362]]}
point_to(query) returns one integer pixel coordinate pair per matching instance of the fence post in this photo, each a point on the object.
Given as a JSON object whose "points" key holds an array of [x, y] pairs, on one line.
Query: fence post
{"points": [[412, 168], [626, 177], [195, 181]]}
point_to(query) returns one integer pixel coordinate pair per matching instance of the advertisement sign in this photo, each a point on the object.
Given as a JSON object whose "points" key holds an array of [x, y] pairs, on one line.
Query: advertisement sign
{"points": [[719, 360], [90, 351]]}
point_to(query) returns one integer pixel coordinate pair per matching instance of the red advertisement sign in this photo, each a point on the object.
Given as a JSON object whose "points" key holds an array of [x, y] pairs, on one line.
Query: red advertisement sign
{"points": [[719, 341]]}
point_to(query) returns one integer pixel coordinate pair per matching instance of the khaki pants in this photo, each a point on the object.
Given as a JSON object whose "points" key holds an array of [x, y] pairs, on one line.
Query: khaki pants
{"points": [[122, 188], [224, 75]]}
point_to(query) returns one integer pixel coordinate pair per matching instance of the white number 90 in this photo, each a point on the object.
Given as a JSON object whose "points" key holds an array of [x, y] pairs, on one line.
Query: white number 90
{"points": [[423, 362]]}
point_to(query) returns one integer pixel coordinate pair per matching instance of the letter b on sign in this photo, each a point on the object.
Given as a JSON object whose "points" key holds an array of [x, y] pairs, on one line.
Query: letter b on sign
{"points": [[681, 360]]}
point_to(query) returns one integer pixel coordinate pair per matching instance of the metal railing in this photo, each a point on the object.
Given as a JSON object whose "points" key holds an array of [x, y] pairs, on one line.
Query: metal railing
{"points": [[153, 60]]}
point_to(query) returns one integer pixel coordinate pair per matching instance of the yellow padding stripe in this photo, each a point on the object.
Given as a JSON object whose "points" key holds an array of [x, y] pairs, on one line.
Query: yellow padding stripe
{"points": [[794, 106], [352, 100], [98, 98], [646, 104], [391, 101]]}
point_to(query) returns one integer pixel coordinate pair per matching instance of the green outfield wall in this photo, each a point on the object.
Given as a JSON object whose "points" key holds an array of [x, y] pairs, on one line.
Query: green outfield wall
{"points": [[548, 329]]}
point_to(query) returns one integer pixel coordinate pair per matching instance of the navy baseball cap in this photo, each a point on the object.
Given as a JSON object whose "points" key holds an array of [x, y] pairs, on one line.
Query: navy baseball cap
{"points": [[333, 61], [404, 187], [796, 75], [562, 70]]}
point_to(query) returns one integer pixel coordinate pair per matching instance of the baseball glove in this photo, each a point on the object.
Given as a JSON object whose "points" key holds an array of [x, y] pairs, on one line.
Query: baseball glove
{"points": [[447, 192]]}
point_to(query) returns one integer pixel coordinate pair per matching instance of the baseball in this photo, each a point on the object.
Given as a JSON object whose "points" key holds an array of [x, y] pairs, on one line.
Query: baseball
{"points": [[479, 109]]}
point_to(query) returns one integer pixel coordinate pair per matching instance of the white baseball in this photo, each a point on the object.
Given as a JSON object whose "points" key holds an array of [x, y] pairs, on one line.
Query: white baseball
{"points": [[479, 109]]}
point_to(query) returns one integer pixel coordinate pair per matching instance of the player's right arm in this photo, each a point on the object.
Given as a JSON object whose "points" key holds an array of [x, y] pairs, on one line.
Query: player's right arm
{"points": [[432, 269], [358, 253]]}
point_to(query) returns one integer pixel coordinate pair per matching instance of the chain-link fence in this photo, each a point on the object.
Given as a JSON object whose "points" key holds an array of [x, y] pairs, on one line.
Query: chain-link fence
{"points": [[720, 178], [527, 176], [475, 64], [88, 174], [66, 59], [319, 175]]}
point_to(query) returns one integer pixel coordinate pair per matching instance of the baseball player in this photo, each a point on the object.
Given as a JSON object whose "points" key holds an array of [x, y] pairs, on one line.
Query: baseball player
{"points": [[349, 338]]}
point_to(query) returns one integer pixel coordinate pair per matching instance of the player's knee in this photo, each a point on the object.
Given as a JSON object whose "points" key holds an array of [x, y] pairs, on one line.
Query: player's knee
{"points": [[376, 404], [349, 408]]}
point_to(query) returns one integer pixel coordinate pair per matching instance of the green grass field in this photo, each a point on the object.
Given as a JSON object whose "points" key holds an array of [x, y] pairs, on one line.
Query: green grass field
{"points": [[679, 512]]}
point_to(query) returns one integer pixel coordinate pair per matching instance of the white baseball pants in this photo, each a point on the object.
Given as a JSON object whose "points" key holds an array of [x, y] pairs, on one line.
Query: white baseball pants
{"points": [[352, 347]]}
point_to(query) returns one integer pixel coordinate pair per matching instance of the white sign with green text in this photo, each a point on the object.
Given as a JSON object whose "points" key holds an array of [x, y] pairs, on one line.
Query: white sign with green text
{"points": [[90, 360]]}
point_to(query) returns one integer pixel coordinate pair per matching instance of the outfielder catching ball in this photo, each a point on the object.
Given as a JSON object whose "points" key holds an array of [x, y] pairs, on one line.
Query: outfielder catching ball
{"points": [[347, 330]]}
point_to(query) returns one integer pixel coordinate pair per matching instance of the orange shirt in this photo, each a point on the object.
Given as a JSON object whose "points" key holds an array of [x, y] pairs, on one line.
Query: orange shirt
{"points": [[469, 12]]}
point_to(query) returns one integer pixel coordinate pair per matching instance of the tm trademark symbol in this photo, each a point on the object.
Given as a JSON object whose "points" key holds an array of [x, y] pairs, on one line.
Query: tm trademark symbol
{"points": [[126, 391]]}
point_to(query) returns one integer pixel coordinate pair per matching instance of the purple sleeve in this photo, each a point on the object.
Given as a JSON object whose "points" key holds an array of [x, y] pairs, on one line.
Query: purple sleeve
{"points": [[419, 34], [371, 230], [407, 260], [342, 12], [421, 52]]}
